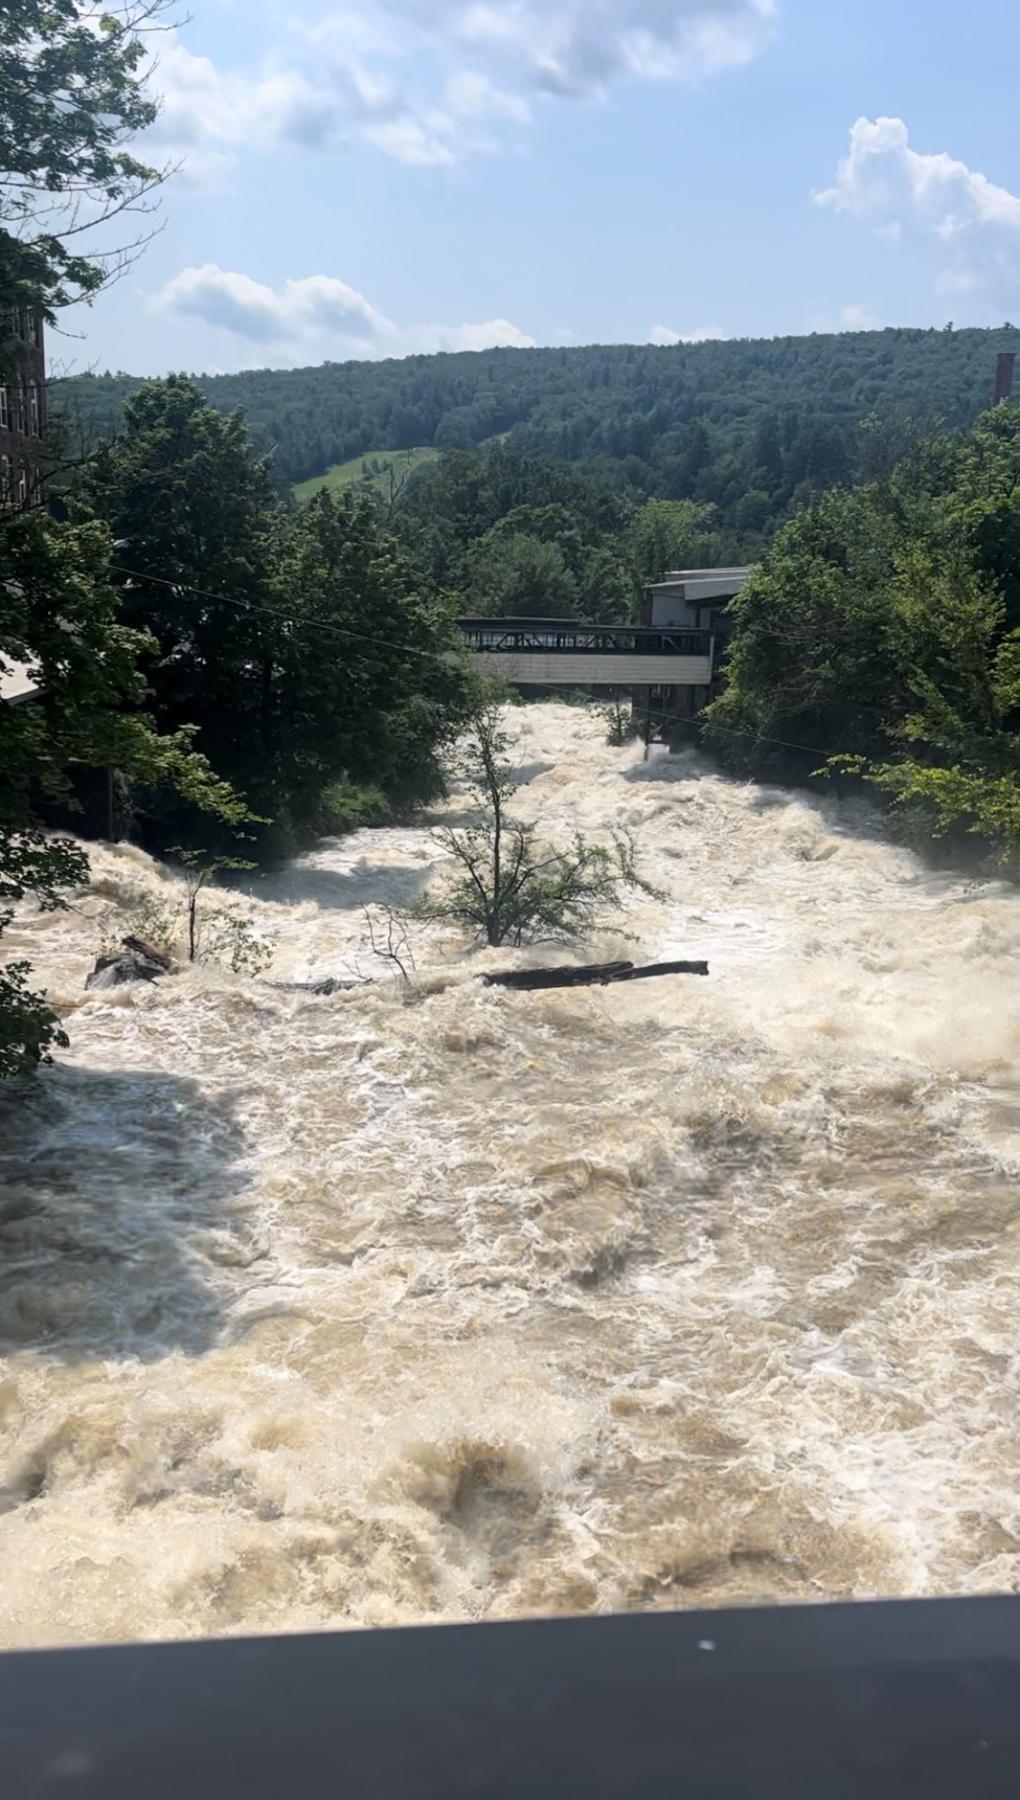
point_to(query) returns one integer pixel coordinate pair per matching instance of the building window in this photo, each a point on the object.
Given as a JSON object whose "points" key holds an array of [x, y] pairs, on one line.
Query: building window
{"points": [[35, 329], [23, 487], [5, 480], [33, 408], [19, 408], [5, 416]]}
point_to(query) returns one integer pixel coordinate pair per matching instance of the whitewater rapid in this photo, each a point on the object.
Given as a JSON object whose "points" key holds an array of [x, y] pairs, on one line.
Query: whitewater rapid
{"points": [[444, 1302]]}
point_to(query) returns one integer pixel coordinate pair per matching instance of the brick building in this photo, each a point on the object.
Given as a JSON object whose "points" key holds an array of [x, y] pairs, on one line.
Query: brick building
{"points": [[22, 406]]}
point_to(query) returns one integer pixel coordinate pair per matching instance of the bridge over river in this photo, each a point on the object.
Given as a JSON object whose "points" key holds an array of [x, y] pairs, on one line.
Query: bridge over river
{"points": [[668, 662], [568, 652]]}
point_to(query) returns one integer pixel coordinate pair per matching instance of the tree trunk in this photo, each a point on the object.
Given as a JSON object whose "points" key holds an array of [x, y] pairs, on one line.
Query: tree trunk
{"points": [[589, 974]]}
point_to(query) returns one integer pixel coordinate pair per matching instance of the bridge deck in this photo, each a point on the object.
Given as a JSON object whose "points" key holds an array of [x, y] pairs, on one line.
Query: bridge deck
{"points": [[571, 653]]}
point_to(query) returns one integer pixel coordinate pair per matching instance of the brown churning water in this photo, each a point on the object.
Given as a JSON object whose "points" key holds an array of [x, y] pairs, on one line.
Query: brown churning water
{"points": [[462, 1303]]}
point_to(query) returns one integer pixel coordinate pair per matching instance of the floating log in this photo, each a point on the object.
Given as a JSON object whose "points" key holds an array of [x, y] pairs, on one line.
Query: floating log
{"points": [[589, 974], [331, 985]]}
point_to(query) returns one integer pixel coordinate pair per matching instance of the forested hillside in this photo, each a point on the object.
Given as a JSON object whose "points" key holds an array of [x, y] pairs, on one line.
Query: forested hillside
{"points": [[755, 427]]}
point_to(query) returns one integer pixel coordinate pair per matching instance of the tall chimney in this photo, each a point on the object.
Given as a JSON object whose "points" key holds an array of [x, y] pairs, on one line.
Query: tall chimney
{"points": [[1004, 369]]}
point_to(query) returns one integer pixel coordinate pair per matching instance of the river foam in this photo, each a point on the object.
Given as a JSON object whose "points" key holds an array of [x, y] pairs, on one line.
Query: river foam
{"points": [[450, 1302]]}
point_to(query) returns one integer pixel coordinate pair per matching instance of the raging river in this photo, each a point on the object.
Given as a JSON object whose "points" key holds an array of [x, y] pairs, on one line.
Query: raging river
{"points": [[445, 1302]]}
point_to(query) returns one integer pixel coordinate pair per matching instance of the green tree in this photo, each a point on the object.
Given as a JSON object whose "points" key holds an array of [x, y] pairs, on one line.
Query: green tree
{"points": [[586, 576], [604, 586], [810, 660], [666, 534], [60, 621], [882, 628], [957, 761], [73, 92], [368, 683], [300, 645], [31, 865], [512, 574], [191, 508]]}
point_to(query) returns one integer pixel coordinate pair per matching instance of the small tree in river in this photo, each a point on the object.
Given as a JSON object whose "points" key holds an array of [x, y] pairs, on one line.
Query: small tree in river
{"points": [[508, 887], [219, 936]]}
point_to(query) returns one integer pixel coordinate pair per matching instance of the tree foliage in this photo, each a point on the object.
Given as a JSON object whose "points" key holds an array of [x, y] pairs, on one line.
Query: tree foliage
{"points": [[45, 869], [60, 620], [669, 534], [73, 92], [192, 512], [881, 634], [300, 645], [756, 429], [61, 617]]}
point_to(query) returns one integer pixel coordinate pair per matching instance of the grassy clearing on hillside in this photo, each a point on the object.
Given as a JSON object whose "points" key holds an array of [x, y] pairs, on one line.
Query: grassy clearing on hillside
{"points": [[372, 470]]}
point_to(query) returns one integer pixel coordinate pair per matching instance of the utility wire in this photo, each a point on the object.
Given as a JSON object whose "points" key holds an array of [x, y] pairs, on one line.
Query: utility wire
{"points": [[276, 612], [364, 637]]}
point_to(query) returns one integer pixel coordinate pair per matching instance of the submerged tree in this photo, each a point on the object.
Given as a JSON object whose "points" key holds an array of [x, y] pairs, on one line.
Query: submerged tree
{"points": [[508, 887]]}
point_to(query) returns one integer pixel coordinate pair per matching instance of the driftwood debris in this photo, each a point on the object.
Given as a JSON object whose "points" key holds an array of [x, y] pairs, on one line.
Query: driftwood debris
{"points": [[151, 952], [136, 960], [331, 985], [589, 974]]}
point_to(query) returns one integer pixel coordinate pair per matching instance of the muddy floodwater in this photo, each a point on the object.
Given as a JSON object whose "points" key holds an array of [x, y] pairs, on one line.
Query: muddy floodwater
{"points": [[454, 1303]]}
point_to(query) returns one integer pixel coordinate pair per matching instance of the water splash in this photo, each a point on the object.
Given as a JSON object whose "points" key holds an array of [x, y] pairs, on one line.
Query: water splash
{"points": [[362, 1311]]}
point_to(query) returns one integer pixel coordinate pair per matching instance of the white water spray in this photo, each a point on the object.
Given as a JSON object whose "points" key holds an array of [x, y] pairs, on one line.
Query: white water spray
{"points": [[382, 1309]]}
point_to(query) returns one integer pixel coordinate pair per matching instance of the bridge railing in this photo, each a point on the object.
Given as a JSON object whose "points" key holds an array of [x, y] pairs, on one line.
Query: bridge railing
{"points": [[580, 639]]}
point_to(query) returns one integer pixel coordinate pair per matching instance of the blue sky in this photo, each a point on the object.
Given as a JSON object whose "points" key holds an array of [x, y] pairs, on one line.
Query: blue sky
{"points": [[384, 176]]}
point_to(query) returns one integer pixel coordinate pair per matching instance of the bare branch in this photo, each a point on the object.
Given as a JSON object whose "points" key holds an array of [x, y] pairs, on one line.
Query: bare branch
{"points": [[395, 947]]}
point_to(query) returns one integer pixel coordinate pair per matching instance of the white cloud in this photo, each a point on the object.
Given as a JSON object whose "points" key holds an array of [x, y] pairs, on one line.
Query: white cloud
{"points": [[665, 335], [314, 317], [488, 336], [968, 225], [420, 79], [576, 47], [415, 141], [853, 317], [314, 305], [203, 107], [857, 318], [470, 95]]}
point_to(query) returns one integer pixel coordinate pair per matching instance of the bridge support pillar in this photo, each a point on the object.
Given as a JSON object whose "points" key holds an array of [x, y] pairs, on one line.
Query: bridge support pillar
{"points": [[666, 714], [685, 705]]}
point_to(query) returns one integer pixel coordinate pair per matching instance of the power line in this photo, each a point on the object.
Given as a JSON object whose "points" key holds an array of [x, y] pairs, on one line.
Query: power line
{"points": [[275, 612], [346, 631]]}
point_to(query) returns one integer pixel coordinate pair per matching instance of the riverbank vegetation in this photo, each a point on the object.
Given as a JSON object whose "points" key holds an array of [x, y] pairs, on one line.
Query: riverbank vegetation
{"points": [[880, 638], [238, 674], [302, 645], [249, 675]]}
